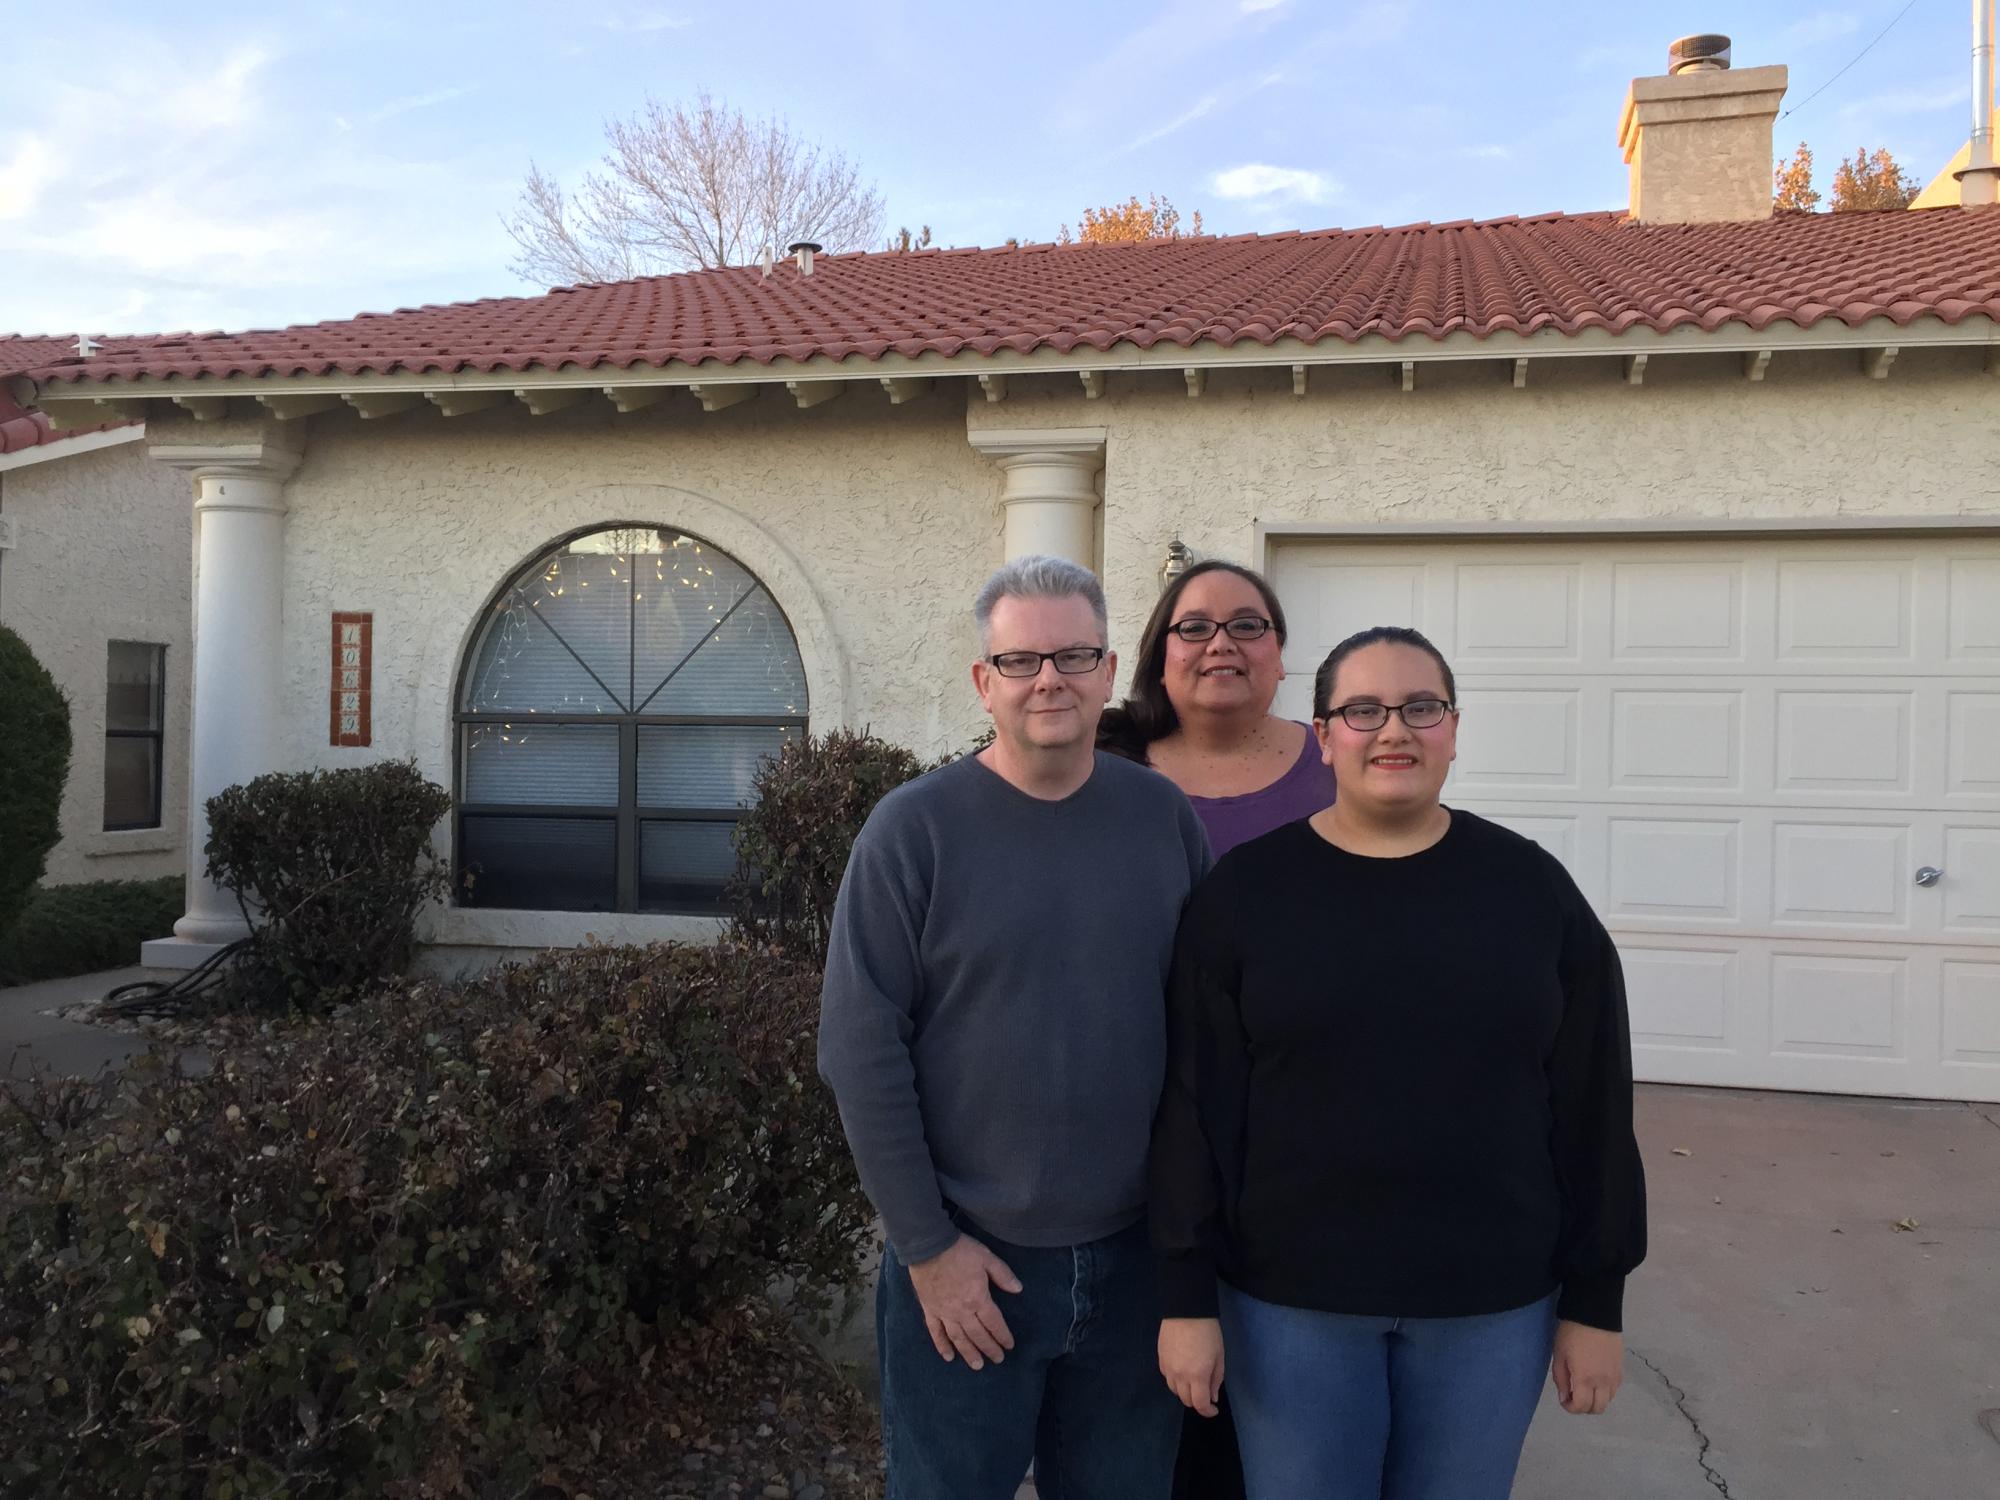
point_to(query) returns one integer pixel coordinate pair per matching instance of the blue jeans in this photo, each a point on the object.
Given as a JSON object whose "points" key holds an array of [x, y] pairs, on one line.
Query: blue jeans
{"points": [[1080, 1392], [1352, 1408]]}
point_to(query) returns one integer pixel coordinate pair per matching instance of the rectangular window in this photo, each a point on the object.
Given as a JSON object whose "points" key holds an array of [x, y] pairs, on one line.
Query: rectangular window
{"points": [[135, 700]]}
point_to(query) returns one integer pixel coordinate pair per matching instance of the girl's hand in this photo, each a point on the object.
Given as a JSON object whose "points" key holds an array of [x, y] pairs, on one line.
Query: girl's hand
{"points": [[1191, 1361], [1588, 1367]]}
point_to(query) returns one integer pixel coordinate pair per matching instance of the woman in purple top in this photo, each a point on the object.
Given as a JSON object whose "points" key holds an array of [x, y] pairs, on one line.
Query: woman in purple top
{"points": [[1210, 662], [1200, 714]]}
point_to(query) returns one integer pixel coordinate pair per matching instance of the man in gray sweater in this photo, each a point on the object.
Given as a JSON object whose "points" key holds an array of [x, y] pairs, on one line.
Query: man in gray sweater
{"points": [[994, 1030]]}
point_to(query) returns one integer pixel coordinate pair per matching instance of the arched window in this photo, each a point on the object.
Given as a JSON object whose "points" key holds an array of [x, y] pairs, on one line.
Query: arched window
{"points": [[613, 710]]}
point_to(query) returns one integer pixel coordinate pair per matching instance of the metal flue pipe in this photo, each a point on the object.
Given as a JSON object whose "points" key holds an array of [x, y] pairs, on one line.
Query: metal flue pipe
{"points": [[1979, 183]]}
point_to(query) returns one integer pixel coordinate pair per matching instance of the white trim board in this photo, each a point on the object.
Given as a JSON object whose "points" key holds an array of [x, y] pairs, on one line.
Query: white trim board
{"points": [[1723, 528], [69, 447]]}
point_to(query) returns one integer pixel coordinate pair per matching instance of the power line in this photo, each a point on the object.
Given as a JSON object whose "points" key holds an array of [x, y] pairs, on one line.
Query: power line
{"points": [[1850, 63]]}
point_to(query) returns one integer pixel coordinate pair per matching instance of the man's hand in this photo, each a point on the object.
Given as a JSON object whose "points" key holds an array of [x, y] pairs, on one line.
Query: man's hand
{"points": [[958, 1306], [1191, 1361], [1588, 1367]]}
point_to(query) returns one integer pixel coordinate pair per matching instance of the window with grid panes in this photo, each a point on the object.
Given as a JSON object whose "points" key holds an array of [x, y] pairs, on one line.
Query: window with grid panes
{"points": [[614, 709], [135, 699]]}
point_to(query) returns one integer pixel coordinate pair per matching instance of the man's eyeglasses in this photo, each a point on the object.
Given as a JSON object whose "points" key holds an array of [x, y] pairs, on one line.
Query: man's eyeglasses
{"points": [[1242, 628], [1418, 713], [1070, 661]]}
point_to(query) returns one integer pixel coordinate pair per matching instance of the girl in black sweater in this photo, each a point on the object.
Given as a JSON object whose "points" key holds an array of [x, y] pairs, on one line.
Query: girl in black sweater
{"points": [[1394, 1175]]}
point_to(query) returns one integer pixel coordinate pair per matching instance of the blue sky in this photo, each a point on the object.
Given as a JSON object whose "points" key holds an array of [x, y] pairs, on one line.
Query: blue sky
{"points": [[249, 165]]}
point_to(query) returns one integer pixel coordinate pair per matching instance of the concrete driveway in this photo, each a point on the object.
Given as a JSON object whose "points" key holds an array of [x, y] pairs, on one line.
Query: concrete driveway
{"points": [[1785, 1340]]}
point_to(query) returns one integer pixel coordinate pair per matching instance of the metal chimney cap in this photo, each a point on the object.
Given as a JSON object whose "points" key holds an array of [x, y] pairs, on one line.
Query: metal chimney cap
{"points": [[797, 245], [1705, 52]]}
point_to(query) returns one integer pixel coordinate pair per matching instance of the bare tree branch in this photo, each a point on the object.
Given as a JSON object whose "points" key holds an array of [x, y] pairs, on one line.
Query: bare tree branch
{"points": [[685, 186]]}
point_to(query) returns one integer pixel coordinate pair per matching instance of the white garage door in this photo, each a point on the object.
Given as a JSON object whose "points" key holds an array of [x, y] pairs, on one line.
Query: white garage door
{"points": [[1745, 752]]}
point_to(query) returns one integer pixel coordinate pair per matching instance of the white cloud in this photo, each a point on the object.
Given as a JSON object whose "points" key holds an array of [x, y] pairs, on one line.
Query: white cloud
{"points": [[1488, 152], [1257, 7], [1259, 182], [1202, 106], [403, 106], [225, 99], [187, 190], [26, 169], [1824, 26]]}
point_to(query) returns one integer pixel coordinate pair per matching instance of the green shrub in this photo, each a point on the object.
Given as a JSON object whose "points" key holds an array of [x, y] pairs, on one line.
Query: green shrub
{"points": [[332, 867], [794, 841], [34, 765], [424, 1245], [97, 924]]}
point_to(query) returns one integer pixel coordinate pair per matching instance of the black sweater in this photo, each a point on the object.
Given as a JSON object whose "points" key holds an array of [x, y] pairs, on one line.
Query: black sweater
{"points": [[1397, 1087]]}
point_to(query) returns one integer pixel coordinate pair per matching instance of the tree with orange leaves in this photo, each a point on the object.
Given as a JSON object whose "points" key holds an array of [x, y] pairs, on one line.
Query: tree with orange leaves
{"points": [[1872, 180], [1791, 184], [1130, 221]]}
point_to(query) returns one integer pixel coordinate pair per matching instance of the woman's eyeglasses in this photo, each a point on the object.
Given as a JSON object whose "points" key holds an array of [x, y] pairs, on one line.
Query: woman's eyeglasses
{"points": [[1418, 713], [1242, 628]]}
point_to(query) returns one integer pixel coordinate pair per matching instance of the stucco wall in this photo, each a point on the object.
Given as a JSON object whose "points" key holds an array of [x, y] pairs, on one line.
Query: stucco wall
{"points": [[102, 553], [1814, 440], [872, 525]]}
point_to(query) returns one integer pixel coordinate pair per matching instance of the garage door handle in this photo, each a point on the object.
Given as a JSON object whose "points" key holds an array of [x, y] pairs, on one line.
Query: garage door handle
{"points": [[1929, 875]]}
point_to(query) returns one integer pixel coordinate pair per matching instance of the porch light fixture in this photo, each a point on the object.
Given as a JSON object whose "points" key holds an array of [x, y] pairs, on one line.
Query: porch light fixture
{"points": [[1178, 558]]}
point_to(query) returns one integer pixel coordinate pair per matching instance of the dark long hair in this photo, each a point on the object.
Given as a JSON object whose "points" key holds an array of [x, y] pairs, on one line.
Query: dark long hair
{"points": [[1375, 635], [1147, 714]]}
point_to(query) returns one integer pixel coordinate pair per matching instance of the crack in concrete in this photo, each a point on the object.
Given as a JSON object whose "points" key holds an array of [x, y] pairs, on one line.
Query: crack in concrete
{"points": [[1709, 1471], [1985, 1116]]}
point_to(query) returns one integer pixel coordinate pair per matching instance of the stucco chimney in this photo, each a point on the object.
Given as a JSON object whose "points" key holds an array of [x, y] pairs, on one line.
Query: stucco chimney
{"points": [[1698, 140]]}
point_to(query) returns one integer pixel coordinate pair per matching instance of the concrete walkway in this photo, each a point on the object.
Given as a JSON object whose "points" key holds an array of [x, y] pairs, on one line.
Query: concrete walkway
{"points": [[67, 1047]]}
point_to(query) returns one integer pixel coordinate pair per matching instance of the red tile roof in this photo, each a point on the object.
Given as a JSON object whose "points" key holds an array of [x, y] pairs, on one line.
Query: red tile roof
{"points": [[19, 428], [1503, 276]]}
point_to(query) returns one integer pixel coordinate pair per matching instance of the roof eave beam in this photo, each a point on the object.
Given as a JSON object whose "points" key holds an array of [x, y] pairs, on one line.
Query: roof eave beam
{"points": [[291, 408], [1521, 373], [374, 405], [1756, 362], [635, 397], [1197, 380], [903, 388], [540, 401], [203, 408], [993, 385], [465, 403], [1407, 374], [721, 396], [1299, 379], [1635, 368], [811, 393], [1093, 383], [1876, 363]]}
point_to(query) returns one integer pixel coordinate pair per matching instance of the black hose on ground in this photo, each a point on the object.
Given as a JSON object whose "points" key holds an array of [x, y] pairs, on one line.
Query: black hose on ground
{"points": [[163, 998]]}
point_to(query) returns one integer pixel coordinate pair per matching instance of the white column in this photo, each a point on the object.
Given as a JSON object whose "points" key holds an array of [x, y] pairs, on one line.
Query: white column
{"points": [[239, 522], [1049, 493]]}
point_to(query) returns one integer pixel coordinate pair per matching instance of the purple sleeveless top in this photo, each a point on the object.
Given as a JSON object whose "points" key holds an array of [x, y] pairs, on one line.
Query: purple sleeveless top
{"points": [[1299, 793]]}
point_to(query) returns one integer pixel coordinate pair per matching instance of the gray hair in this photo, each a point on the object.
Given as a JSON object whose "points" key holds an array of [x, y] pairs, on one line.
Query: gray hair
{"points": [[1038, 577]]}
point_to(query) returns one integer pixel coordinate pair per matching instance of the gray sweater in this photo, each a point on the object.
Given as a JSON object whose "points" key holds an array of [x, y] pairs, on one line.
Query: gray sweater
{"points": [[993, 1019]]}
